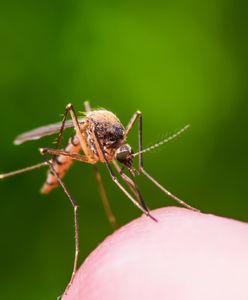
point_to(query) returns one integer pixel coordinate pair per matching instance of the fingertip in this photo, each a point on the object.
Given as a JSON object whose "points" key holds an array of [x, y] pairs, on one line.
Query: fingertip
{"points": [[170, 258]]}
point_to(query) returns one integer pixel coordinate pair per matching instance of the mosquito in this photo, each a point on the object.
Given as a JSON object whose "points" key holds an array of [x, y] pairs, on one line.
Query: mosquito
{"points": [[99, 137]]}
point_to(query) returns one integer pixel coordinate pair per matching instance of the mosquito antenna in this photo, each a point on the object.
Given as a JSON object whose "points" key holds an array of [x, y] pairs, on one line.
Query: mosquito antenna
{"points": [[2, 176], [163, 141]]}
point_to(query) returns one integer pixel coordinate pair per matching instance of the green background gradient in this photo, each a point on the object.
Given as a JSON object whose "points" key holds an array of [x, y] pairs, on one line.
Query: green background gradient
{"points": [[178, 62]]}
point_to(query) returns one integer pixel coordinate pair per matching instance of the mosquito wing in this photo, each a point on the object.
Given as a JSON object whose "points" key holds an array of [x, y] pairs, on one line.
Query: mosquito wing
{"points": [[38, 133]]}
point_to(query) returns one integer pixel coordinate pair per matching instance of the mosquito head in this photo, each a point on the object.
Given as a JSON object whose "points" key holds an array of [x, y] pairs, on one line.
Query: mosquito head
{"points": [[124, 154]]}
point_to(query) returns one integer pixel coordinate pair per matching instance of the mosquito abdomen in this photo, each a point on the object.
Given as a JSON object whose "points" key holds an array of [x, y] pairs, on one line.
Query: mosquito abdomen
{"points": [[61, 165]]}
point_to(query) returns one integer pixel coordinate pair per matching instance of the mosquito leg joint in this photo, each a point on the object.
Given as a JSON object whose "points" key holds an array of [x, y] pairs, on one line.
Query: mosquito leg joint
{"points": [[114, 178], [48, 163], [43, 151], [69, 106]]}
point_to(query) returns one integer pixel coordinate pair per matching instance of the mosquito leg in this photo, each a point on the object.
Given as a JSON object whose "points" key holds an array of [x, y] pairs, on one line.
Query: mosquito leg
{"points": [[79, 131], [62, 128], [102, 192], [70, 109], [135, 202], [142, 170], [135, 117], [138, 115], [105, 201], [73, 156], [75, 208], [27, 169], [168, 193], [132, 122], [115, 179]]}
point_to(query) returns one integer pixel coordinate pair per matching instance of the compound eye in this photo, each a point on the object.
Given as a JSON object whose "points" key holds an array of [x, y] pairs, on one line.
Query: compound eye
{"points": [[123, 153], [122, 156]]}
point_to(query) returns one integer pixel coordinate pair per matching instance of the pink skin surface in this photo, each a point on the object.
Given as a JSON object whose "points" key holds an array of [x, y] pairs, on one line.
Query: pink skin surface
{"points": [[186, 256]]}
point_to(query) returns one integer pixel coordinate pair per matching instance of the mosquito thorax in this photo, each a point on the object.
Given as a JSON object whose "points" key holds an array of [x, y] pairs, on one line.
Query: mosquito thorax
{"points": [[108, 127], [124, 154]]}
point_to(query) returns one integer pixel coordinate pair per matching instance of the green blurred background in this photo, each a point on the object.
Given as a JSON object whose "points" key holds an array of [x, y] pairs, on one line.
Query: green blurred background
{"points": [[178, 62]]}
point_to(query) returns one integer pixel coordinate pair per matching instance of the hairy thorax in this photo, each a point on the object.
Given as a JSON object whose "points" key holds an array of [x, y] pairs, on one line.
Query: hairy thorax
{"points": [[107, 129]]}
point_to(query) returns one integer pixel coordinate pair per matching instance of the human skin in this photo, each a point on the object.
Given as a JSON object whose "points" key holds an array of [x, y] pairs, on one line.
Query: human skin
{"points": [[185, 255]]}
